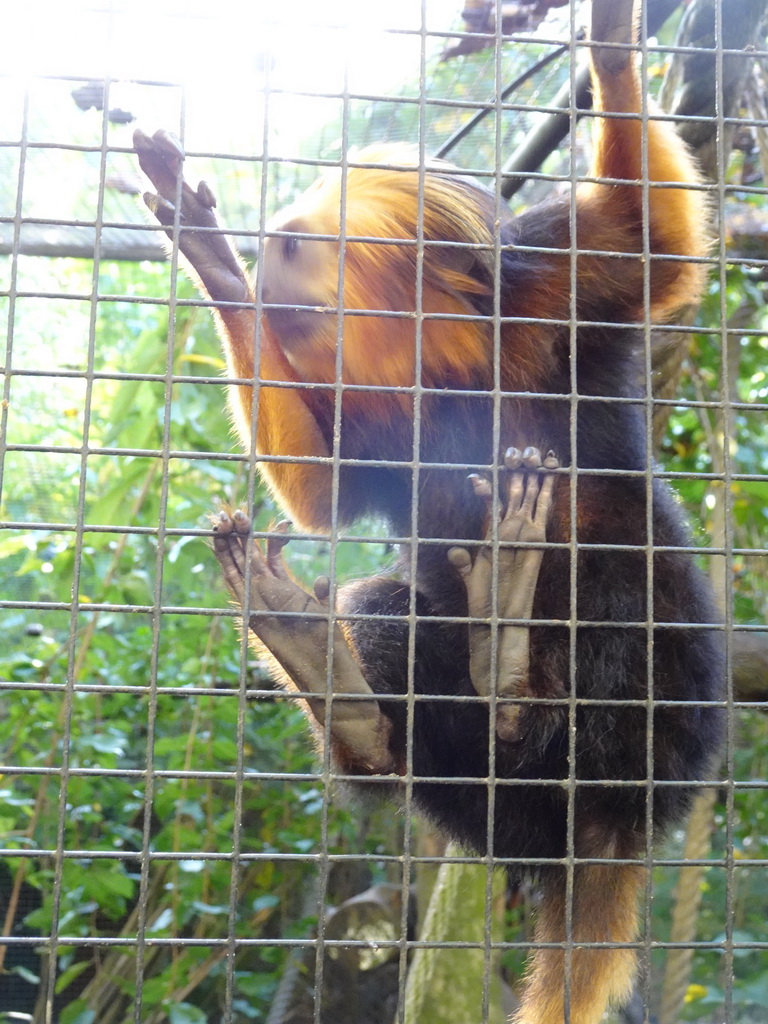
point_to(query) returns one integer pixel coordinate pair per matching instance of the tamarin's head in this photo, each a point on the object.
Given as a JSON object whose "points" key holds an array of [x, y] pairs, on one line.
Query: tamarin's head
{"points": [[353, 252]]}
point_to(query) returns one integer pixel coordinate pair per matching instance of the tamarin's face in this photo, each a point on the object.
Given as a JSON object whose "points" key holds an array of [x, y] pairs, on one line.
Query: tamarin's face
{"points": [[325, 264], [302, 271]]}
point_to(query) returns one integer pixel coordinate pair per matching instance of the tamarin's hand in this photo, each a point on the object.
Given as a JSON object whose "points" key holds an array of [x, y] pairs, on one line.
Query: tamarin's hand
{"points": [[210, 255], [505, 588], [297, 634]]}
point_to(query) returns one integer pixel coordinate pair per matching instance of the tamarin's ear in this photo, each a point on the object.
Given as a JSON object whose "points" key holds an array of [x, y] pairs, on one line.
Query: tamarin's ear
{"points": [[458, 270], [462, 231]]}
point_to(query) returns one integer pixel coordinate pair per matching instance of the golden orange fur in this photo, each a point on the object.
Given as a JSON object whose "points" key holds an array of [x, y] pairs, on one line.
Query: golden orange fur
{"points": [[381, 203]]}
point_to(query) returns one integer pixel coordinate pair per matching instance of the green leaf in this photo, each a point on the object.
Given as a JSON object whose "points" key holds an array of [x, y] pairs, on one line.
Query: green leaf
{"points": [[225, 750], [67, 977], [26, 974], [77, 1013], [100, 881], [111, 742], [185, 1013], [170, 745]]}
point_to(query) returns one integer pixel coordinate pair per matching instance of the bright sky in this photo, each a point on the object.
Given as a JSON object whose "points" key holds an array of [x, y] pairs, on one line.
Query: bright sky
{"points": [[216, 49]]}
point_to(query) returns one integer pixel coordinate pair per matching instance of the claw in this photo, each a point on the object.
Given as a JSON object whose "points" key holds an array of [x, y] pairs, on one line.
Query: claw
{"points": [[481, 485], [169, 146], [532, 458], [206, 196], [221, 522], [461, 561], [241, 522], [512, 458], [551, 461], [275, 545], [162, 209], [508, 721], [142, 142], [322, 589]]}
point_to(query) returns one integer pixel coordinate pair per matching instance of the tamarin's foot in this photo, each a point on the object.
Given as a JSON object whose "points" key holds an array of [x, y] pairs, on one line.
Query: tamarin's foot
{"points": [[298, 637], [200, 239], [528, 490], [613, 22]]}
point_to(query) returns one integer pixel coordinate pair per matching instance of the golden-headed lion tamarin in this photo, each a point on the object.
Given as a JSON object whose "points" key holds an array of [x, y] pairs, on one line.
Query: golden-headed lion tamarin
{"points": [[393, 315]]}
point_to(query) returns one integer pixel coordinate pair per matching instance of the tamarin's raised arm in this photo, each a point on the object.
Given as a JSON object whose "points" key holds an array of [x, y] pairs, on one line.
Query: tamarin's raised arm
{"points": [[286, 426]]}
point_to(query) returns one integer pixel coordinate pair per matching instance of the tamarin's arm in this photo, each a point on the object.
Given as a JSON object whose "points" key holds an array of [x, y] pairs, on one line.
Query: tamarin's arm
{"points": [[286, 426], [298, 636]]}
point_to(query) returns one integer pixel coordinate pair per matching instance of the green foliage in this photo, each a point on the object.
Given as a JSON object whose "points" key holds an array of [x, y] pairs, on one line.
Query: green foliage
{"points": [[97, 712], [694, 444]]}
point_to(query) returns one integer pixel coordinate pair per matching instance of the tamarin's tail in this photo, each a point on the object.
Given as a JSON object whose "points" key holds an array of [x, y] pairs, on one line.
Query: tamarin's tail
{"points": [[587, 980]]}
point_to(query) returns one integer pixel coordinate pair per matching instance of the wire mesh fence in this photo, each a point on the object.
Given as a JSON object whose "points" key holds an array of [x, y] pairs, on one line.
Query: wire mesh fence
{"points": [[545, 668]]}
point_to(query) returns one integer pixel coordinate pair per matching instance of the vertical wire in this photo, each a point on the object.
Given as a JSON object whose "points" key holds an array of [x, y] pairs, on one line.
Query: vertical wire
{"points": [[725, 391], [338, 403], [157, 598], [649, 473], [5, 403], [230, 987], [77, 568], [496, 505], [407, 865], [573, 254]]}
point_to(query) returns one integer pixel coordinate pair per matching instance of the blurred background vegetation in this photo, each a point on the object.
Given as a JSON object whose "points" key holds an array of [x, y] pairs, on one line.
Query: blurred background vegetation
{"points": [[141, 733]]}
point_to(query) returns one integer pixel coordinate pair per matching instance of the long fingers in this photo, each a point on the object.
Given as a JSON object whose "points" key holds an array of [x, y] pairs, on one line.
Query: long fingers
{"points": [[547, 482], [522, 480], [230, 542], [527, 490], [275, 545]]}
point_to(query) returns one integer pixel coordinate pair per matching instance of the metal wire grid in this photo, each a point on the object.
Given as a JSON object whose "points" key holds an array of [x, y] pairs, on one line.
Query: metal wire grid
{"points": [[158, 611]]}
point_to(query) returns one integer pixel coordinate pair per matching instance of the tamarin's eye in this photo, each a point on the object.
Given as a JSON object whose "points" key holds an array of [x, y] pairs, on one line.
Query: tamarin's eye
{"points": [[290, 247]]}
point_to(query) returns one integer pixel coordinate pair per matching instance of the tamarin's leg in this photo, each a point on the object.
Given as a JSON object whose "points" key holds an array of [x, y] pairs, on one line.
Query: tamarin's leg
{"points": [[530, 484], [604, 910], [286, 426], [630, 146], [632, 149], [299, 641]]}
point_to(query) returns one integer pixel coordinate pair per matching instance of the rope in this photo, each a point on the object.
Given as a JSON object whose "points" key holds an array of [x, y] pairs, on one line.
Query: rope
{"points": [[686, 910]]}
